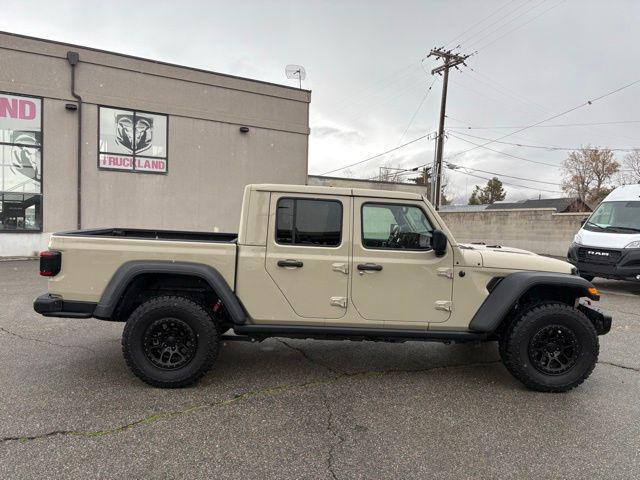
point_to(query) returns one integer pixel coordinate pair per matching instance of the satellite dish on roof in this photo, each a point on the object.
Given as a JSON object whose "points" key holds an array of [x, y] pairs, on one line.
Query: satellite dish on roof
{"points": [[296, 71]]}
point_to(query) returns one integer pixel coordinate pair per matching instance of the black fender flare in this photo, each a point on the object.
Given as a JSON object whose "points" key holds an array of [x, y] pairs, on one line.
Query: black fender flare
{"points": [[128, 271], [509, 290]]}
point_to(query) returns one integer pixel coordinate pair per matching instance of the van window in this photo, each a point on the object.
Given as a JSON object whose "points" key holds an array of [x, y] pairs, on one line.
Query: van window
{"points": [[309, 222], [394, 226], [620, 217]]}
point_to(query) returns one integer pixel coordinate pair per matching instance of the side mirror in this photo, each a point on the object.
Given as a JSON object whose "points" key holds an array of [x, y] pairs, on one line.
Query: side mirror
{"points": [[439, 242], [583, 221]]}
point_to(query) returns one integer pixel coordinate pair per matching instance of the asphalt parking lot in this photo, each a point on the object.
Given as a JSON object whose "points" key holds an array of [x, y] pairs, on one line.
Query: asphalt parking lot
{"points": [[306, 409]]}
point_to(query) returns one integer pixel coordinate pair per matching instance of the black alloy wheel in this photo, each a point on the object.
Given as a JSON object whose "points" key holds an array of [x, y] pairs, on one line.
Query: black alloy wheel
{"points": [[550, 346], [169, 343], [554, 349]]}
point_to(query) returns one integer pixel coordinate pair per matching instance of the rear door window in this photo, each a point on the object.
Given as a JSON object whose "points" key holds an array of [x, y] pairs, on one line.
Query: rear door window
{"points": [[309, 222]]}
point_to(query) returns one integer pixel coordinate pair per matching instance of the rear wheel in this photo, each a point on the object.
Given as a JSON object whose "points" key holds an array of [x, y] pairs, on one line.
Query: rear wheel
{"points": [[170, 342], [550, 347]]}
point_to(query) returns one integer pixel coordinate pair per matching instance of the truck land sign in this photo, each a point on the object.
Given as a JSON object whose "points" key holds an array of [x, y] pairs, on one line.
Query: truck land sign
{"points": [[132, 141], [122, 162]]}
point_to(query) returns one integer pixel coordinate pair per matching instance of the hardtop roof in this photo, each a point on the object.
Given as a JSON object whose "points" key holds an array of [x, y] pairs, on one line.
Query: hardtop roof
{"points": [[346, 191]]}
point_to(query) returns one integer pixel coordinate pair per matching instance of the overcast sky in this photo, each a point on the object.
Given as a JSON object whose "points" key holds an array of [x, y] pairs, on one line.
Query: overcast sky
{"points": [[535, 58]]}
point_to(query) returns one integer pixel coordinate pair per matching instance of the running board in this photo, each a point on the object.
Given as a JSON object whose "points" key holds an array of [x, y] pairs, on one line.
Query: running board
{"points": [[260, 332]]}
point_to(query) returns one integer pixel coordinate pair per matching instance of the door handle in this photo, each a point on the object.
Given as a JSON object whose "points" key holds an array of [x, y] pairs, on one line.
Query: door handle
{"points": [[290, 263], [372, 267]]}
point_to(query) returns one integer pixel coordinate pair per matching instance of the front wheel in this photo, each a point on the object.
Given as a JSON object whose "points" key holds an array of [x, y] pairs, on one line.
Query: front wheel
{"points": [[587, 277], [551, 347], [170, 341]]}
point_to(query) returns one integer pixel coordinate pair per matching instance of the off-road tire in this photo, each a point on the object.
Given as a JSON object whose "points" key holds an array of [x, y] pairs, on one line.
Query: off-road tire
{"points": [[185, 311], [518, 342]]}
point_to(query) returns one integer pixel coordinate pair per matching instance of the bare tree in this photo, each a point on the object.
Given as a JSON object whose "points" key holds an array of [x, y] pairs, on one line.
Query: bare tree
{"points": [[425, 178], [632, 167], [347, 173], [588, 173]]}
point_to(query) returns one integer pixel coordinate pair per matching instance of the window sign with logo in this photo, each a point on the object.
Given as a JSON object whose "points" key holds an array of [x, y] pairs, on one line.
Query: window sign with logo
{"points": [[132, 141], [20, 163]]}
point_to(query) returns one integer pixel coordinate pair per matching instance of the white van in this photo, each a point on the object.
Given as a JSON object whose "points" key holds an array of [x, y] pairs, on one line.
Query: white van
{"points": [[608, 244]]}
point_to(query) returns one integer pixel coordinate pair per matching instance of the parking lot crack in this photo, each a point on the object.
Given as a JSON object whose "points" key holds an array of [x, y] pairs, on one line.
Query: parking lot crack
{"points": [[241, 397], [53, 344], [618, 365], [24, 439], [310, 359]]}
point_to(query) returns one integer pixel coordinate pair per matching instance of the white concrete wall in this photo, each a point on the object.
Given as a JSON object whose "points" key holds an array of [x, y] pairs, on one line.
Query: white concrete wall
{"points": [[23, 244], [539, 230]]}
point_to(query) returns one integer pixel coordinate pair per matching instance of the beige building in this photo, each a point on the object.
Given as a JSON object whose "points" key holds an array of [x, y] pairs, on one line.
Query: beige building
{"points": [[161, 145]]}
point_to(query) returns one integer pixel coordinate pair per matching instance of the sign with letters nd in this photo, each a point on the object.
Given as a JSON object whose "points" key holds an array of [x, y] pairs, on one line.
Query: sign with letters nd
{"points": [[20, 113]]}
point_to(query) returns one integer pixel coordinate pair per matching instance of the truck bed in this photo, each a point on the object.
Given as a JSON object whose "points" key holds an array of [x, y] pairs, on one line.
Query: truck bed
{"points": [[136, 233], [90, 258]]}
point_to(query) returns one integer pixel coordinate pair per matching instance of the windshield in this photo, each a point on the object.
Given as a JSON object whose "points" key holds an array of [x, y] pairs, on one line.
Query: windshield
{"points": [[619, 217]]}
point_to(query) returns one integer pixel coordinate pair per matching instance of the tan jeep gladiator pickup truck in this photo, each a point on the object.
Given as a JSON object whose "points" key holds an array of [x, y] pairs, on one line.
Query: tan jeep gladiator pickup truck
{"points": [[323, 263]]}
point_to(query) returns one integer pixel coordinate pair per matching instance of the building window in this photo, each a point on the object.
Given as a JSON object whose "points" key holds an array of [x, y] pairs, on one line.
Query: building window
{"points": [[393, 226], [309, 222], [132, 141], [20, 163]]}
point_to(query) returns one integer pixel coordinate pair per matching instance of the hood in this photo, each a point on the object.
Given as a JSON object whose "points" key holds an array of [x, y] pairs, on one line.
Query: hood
{"points": [[497, 256], [589, 238]]}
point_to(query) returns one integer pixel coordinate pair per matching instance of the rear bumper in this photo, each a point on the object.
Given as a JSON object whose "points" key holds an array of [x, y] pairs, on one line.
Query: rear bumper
{"points": [[52, 306], [622, 263]]}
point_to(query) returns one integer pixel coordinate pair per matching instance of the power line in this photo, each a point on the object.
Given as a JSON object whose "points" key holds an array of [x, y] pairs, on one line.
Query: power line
{"points": [[473, 37], [584, 104], [587, 126], [413, 117], [509, 184], [545, 110], [382, 83], [455, 167], [505, 92], [479, 22], [510, 92], [482, 47], [477, 145], [378, 155], [510, 104], [500, 27], [544, 147], [386, 98], [556, 125]]}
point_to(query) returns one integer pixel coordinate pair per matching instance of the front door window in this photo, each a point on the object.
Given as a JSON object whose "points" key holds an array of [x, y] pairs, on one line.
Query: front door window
{"points": [[392, 226]]}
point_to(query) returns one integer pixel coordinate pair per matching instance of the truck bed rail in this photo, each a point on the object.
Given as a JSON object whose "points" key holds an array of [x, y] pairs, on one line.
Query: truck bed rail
{"points": [[135, 233]]}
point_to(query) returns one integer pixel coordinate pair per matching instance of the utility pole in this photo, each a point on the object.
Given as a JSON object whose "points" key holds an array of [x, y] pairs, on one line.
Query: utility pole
{"points": [[451, 60]]}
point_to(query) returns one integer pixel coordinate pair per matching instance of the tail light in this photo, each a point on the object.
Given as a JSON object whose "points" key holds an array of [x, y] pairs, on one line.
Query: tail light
{"points": [[50, 263]]}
